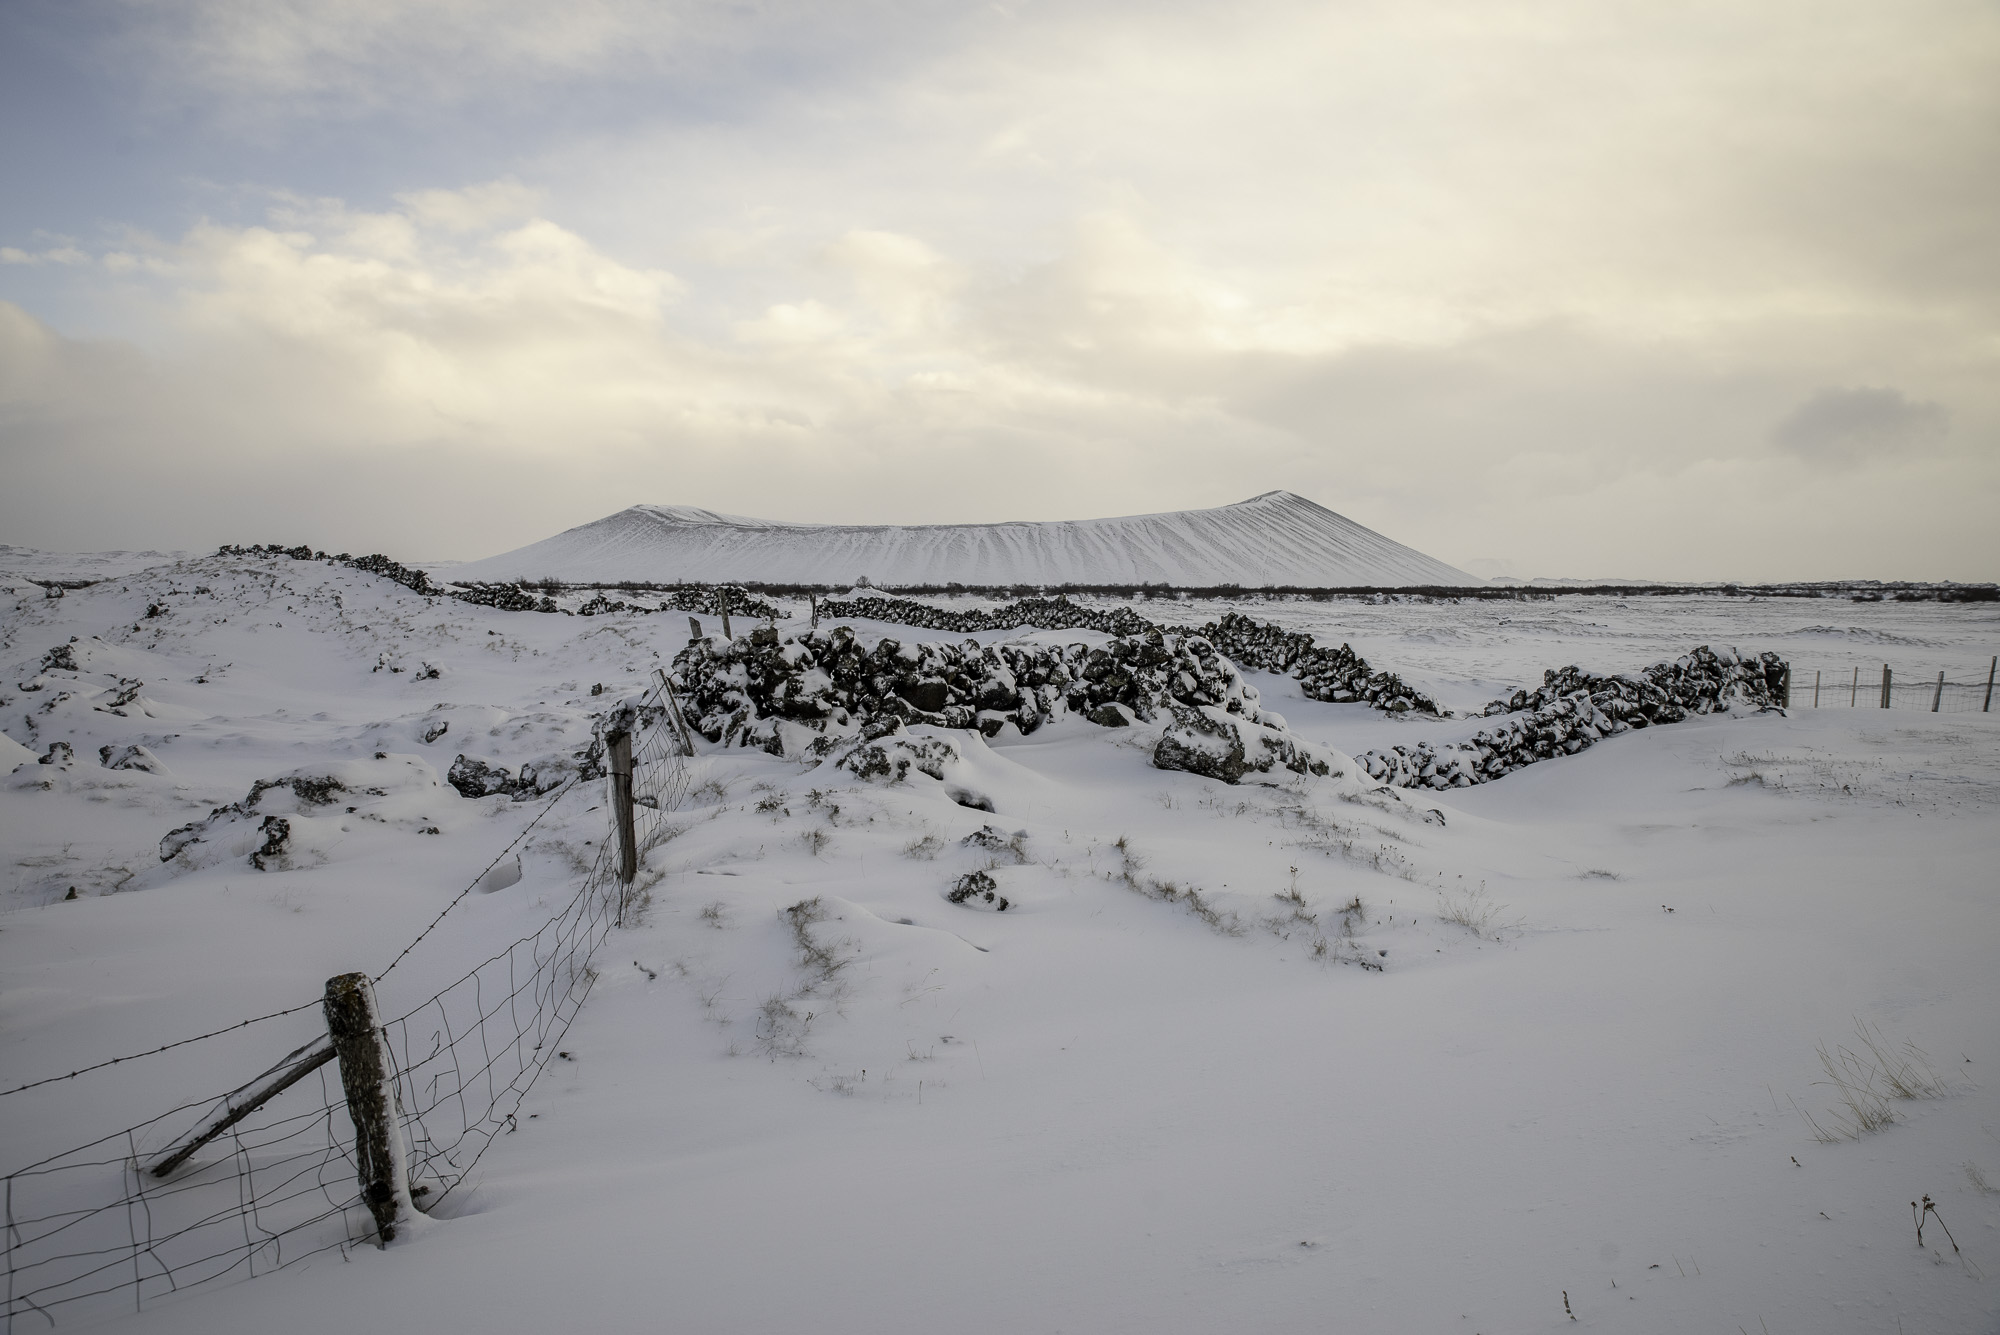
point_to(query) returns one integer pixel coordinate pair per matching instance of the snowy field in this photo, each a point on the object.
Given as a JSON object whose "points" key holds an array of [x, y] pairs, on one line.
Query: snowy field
{"points": [[1445, 1064]]}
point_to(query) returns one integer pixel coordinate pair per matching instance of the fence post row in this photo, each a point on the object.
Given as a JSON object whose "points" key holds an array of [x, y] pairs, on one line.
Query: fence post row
{"points": [[379, 1156]]}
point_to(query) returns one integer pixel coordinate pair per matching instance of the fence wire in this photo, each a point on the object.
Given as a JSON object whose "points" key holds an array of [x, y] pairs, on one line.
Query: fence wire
{"points": [[91, 1229], [1852, 688], [91, 1222]]}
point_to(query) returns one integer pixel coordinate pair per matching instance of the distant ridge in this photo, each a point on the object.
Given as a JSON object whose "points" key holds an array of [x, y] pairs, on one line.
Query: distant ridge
{"points": [[1275, 539]]}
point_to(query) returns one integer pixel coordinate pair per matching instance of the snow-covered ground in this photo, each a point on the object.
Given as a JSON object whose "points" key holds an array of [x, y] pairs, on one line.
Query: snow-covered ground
{"points": [[1552, 1035]]}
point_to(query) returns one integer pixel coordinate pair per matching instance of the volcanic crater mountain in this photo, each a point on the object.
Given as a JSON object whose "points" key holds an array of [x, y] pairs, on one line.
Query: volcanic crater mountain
{"points": [[1275, 539]]}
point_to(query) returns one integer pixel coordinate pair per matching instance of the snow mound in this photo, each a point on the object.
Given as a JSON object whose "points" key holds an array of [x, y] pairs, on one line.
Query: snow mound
{"points": [[1274, 539]]}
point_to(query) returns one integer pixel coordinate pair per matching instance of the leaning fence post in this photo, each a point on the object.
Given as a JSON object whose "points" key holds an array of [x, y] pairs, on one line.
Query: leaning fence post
{"points": [[620, 746], [681, 732], [1885, 686], [355, 1027], [1938, 699], [1987, 708]]}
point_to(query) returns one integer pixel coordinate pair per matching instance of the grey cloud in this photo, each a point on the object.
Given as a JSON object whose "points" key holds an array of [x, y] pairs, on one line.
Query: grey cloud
{"points": [[1852, 425]]}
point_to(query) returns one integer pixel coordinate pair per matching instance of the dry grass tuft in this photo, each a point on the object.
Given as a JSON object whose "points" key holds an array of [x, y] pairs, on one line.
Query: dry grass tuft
{"points": [[1866, 1080]]}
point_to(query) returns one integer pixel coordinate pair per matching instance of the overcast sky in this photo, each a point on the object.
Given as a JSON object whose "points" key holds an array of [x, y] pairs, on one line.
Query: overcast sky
{"points": [[1674, 290]]}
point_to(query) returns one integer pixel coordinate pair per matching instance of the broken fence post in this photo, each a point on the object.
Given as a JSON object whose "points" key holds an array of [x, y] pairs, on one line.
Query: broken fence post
{"points": [[694, 629], [380, 1161], [240, 1103]]}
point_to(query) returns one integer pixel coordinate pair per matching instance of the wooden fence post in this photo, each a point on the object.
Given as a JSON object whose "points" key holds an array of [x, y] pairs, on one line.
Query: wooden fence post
{"points": [[1987, 708], [1885, 686], [727, 633], [675, 712], [1815, 688], [1854, 691], [1938, 699], [355, 1027], [1785, 688], [620, 746]]}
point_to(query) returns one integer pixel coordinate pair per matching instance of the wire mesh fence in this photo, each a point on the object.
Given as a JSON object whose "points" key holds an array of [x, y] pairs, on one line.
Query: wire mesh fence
{"points": [[243, 1183], [466, 1056], [94, 1223], [1861, 688]]}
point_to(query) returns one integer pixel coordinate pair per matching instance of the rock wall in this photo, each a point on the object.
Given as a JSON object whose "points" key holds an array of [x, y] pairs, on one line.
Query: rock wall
{"points": [[1338, 675], [713, 599], [506, 597], [1573, 709], [776, 691]]}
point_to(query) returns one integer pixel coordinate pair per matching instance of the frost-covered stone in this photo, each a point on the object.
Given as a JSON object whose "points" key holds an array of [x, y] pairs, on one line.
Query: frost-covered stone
{"points": [[477, 778], [1215, 745], [307, 791], [891, 760], [275, 853], [130, 757], [978, 890], [474, 777], [296, 819], [995, 842]]}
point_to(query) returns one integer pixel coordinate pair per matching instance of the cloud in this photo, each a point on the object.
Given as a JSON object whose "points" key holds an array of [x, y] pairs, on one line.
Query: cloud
{"points": [[1527, 284], [53, 255], [472, 208], [1853, 425], [445, 379]]}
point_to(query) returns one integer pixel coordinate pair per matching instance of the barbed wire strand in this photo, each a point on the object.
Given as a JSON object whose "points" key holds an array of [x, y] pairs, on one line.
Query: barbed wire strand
{"points": [[308, 1005], [164, 1047], [474, 885]]}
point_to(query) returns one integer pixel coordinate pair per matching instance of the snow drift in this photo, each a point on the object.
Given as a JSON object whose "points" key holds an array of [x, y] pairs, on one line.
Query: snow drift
{"points": [[1274, 539]]}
